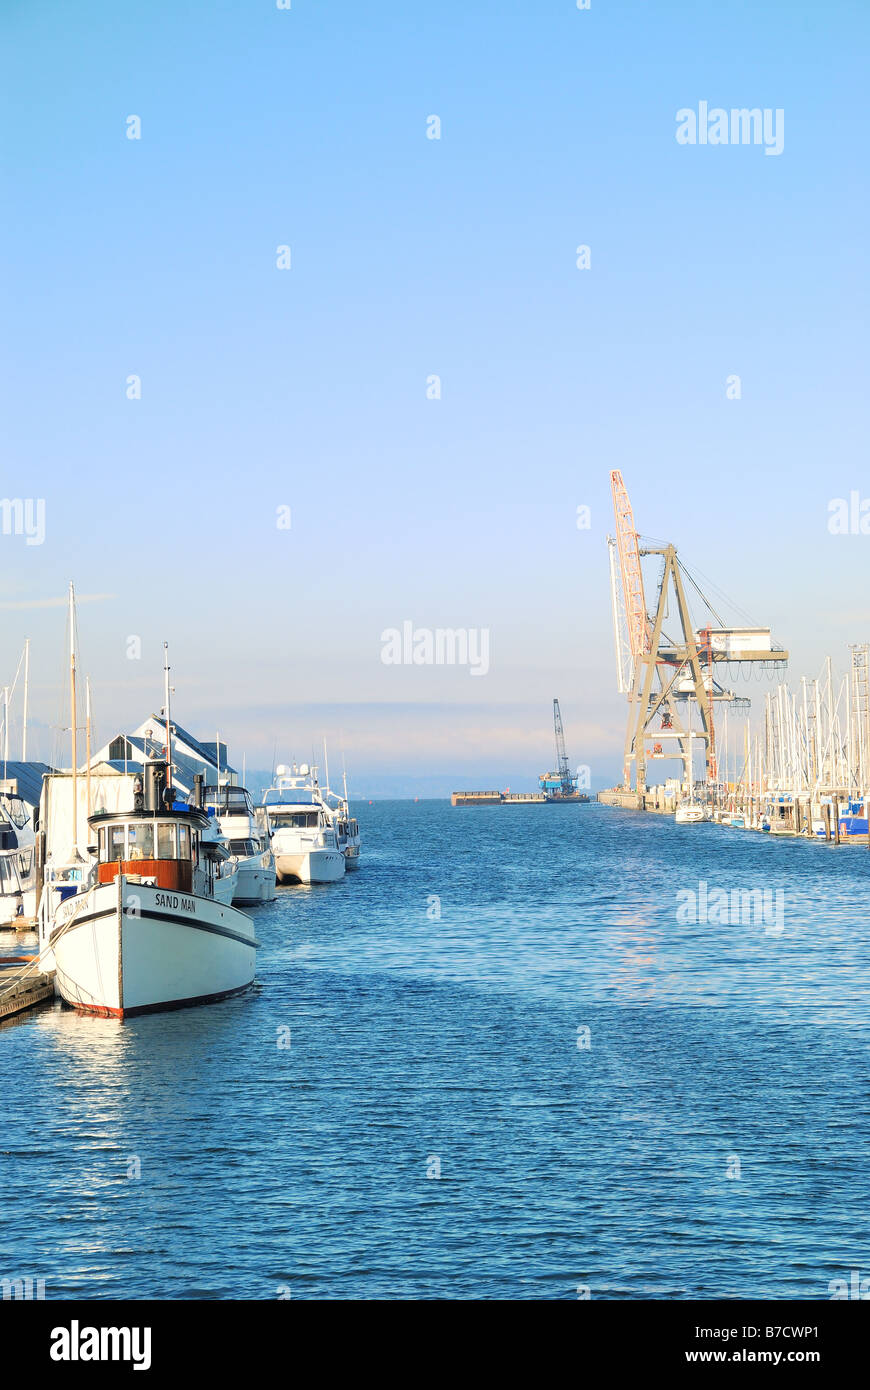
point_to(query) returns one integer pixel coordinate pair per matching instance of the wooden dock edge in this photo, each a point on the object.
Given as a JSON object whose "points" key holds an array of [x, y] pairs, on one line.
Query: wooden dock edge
{"points": [[33, 991]]}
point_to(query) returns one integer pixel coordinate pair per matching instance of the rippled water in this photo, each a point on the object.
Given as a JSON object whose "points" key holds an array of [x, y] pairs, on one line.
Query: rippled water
{"points": [[419, 1042]]}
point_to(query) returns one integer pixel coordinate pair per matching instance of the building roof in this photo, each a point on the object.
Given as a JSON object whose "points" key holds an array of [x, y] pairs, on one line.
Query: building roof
{"points": [[207, 751], [186, 764], [28, 776]]}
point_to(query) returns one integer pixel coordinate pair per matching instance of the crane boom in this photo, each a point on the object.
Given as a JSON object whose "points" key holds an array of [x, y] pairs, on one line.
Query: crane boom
{"points": [[562, 768], [629, 563]]}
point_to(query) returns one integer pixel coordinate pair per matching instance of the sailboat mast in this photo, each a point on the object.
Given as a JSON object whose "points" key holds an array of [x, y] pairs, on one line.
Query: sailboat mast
{"points": [[166, 712], [88, 742], [73, 726], [26, 685], [326, 764]]}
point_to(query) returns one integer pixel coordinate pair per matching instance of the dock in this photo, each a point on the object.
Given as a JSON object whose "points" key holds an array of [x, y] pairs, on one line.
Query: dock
{"points": [[496, 798], [22, 987], [656, 799], [835, 819]]}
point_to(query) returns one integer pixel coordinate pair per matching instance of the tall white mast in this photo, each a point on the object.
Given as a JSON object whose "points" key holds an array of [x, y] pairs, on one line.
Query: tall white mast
{"points": [[88, 742], [26, 683]]}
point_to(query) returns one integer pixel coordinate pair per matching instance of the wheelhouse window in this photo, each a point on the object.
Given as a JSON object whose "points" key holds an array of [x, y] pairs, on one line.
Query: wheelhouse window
{"points": [[184, 842], [166, 842], [141, 841], [117, 842]]}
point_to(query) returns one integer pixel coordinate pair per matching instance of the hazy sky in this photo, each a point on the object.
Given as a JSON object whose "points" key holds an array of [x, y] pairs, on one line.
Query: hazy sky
{"points": [[413, 257]]}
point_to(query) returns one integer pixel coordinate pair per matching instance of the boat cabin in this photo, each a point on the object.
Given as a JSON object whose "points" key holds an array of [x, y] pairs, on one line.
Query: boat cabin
{"points": [[164, 846]]}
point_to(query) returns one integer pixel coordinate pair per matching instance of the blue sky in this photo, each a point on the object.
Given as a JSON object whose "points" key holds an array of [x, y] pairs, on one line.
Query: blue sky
{"points": [[413, 257]]}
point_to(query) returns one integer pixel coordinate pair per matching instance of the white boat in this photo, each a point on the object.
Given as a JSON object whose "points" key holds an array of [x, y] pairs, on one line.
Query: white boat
{"points": [[147, 930], [225, 867], [689, 810], [248, 845], [304, 838], [17, 861], [346, 825], [779, 814], [349, 838]]}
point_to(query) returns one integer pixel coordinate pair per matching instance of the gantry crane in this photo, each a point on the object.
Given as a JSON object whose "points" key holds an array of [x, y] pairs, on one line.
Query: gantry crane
{"points": [[656, 671]]}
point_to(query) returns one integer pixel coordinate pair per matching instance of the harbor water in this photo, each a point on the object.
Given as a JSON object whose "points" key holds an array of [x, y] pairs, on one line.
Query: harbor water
{"points": [[511, 1058]]}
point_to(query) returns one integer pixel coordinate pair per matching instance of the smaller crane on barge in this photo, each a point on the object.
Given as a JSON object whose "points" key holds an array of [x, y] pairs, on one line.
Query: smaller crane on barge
{"points": [[560, 785]]}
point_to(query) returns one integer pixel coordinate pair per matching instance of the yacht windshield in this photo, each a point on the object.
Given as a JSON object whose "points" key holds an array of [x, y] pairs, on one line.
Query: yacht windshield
{"points": [[243, 848], [292, 820], [228, 801], [16, 810]]}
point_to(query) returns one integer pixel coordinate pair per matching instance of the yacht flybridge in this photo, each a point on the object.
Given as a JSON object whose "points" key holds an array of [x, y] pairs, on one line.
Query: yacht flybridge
{"points": [[147, 930], [249, 846], [304, 839]]}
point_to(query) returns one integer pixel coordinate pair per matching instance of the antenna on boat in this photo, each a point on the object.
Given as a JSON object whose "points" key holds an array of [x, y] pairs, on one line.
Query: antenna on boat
{"points": [[73, 728], [166, 712], [325, 763]]}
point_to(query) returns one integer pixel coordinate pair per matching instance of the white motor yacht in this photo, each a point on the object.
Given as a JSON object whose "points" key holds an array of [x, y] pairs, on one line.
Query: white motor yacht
{"points": [[247, 843], [349, 838], [346, 825], [304, 837], [17, 861]]}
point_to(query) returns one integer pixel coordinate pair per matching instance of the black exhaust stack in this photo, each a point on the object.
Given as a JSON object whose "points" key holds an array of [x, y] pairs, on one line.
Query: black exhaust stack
{"points": [[198, 780], [155, 783]]}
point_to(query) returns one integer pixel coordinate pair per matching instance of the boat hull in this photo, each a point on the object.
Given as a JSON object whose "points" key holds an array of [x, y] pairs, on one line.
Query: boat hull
{"points": [[128, 948], [227, 885], [310, 866], [256, 882]]}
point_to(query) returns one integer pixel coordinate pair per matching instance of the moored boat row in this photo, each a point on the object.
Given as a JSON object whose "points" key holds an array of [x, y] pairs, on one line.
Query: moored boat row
{"points": [[137, 868]]}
